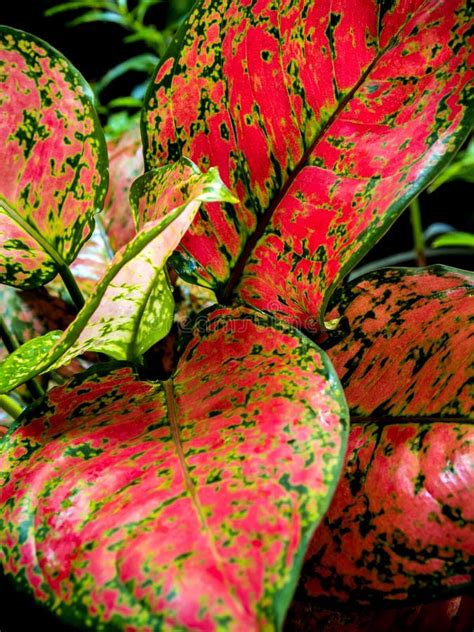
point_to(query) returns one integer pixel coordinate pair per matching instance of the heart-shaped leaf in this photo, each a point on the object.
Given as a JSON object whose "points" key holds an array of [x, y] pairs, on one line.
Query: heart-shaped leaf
{"points": [[188, 504], [324, 118], [132, 306], [400, 524], [54, 160]]}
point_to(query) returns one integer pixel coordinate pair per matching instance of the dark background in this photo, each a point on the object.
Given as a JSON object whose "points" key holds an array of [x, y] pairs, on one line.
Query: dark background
{"points": [[94, 49]]}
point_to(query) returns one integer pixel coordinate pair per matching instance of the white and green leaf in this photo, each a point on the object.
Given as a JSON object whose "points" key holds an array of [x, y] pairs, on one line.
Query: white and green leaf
{"points": [[132, 306]]}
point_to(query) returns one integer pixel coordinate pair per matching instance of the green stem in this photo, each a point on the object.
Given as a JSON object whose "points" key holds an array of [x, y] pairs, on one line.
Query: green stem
{"points": [[71, 286], [10, 406], [8, 340], [417, 228]]}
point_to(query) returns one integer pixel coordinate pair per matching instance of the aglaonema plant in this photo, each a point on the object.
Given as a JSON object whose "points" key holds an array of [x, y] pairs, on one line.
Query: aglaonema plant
{"points": [[204, 498]]}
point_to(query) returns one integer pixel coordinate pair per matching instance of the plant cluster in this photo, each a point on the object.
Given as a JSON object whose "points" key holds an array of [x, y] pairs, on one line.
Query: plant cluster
{"points": [[304, 439]]}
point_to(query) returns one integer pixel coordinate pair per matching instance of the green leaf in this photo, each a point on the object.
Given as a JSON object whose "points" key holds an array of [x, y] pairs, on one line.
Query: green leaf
{"points": [[139, 63], [132, 306], [454, 239], [325, 119], [99, 16], [53, 152], [461, 169], [178, 505]]}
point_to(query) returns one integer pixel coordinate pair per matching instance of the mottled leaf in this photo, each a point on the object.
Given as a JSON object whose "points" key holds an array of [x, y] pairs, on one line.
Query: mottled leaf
{"points": [[324, 118], [126, 163], [132, 306], [130, 504], [401, 524], [406, 343], [450, 615], [54, 160]]}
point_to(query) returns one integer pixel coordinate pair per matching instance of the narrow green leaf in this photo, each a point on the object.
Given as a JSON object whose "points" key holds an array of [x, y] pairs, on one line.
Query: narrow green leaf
{"points": [[99, 16], [132, 306], [455, 239], [139, 63]]}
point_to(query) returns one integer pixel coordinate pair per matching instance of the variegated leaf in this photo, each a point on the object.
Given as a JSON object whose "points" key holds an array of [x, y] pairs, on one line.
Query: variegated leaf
{"points": [[54, 160], [132, 306], [401, 524], [406, 344], [325, 118], [126, 164], [129, 504]]}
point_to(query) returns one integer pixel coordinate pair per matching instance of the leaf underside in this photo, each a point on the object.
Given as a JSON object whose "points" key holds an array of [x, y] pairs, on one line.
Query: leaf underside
{"points": [[186, 504], [324, 119], [54, 160]]}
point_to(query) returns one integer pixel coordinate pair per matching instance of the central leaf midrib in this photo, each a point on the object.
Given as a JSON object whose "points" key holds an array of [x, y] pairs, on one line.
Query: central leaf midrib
{"points": [[262, 223], [172, 408]]}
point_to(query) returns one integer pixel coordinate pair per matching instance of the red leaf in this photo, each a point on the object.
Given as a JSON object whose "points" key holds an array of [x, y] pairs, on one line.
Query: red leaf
{"points": [[186, 504], [324, 118], [54, 162], [408, 336], [400, 525]]}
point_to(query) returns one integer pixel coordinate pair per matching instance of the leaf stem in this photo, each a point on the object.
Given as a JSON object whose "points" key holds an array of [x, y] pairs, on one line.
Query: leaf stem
{"points": [[417, 230], [71, 286], [9, 405], [8, 340]]}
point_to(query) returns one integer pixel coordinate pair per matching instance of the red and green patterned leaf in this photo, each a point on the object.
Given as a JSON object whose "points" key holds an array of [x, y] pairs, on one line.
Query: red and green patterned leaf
{"points": [[54, 160], [132, 306], [132, 504], [125, 164], [451, 615], [324, 118], [401, 524], [407, 343]]}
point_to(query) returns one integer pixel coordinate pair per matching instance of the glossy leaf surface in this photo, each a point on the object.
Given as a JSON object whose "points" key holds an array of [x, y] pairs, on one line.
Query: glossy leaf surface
{"points": [[407, 343], [54, 161], [324, 119], [187, 504], [400, 526], [132, 306]]}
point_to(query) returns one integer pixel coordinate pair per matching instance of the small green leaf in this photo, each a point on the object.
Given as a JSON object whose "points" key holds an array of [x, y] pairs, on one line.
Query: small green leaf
{"points": [[23, 360], [455, 239], [461, 169], [132, 306]]}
